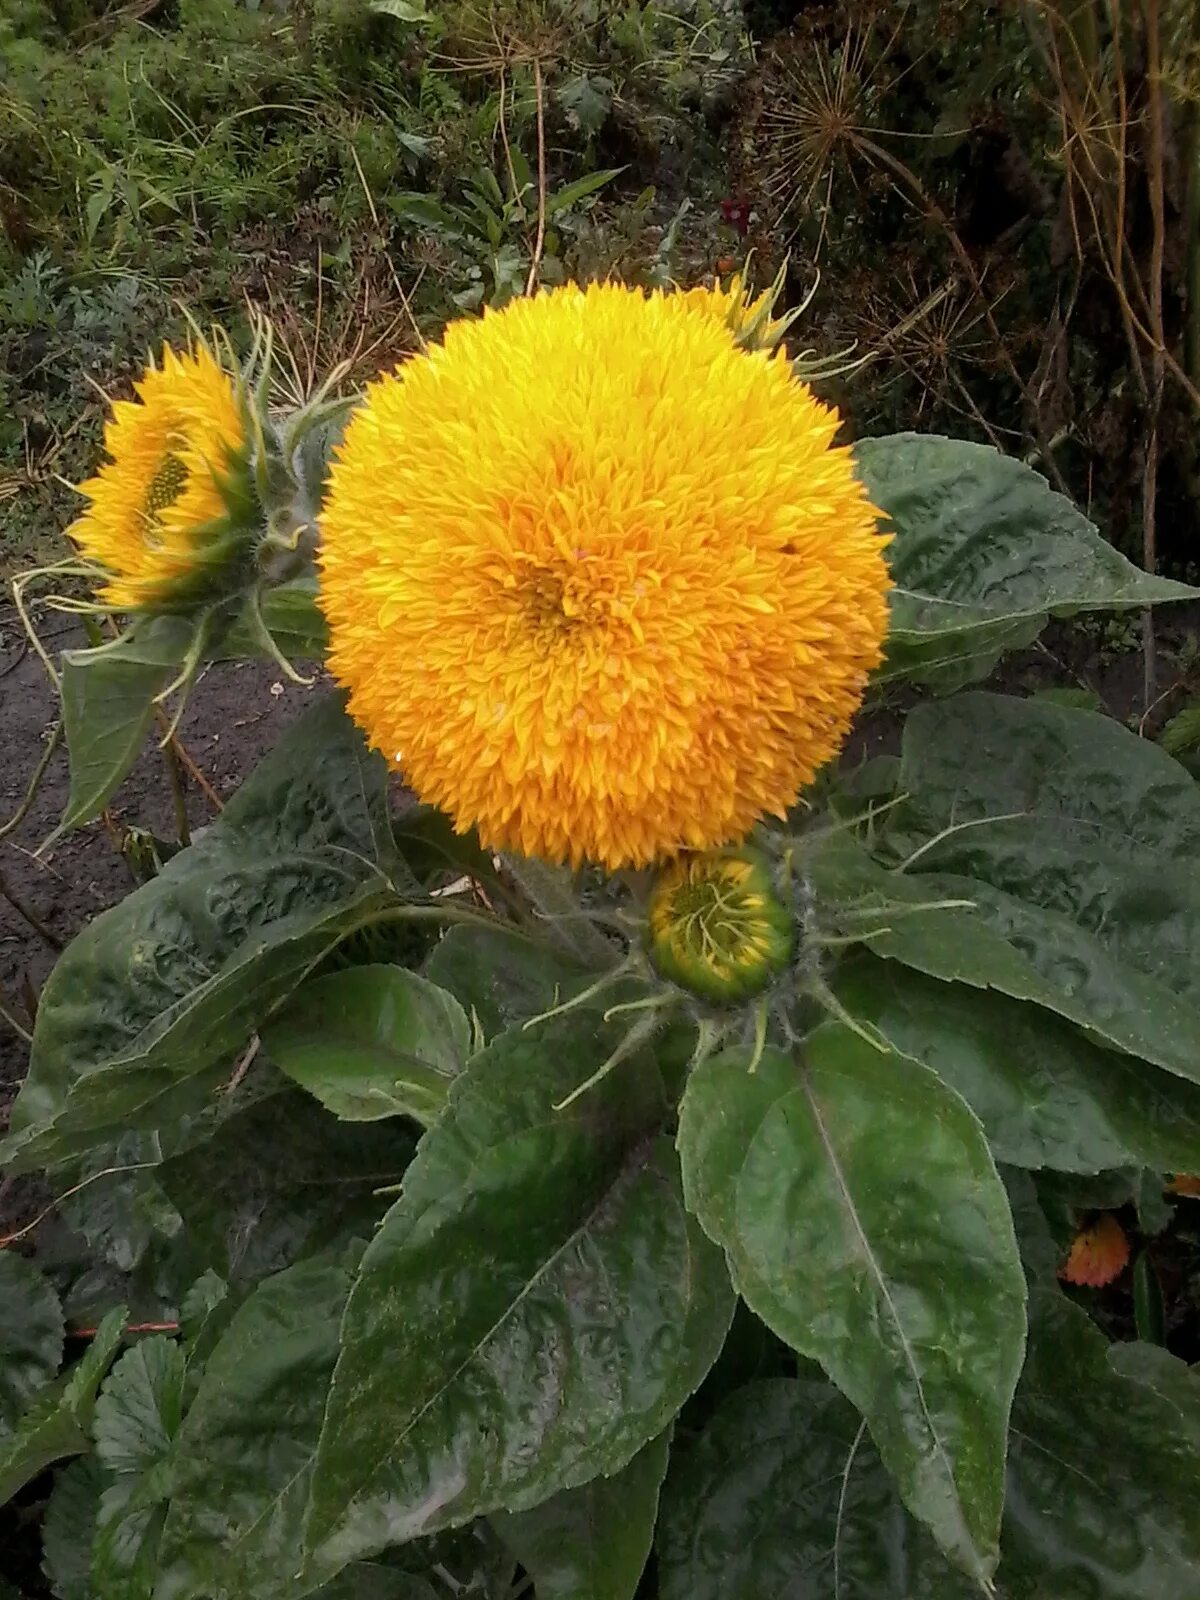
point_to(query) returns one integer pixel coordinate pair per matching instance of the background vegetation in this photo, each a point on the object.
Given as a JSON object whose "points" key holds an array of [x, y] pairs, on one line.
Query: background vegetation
{"points": [[1002, 201]]}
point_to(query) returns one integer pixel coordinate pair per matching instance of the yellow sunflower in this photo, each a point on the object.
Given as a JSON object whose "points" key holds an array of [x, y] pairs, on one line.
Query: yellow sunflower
{"points": [[598, 581], [174, 505]]}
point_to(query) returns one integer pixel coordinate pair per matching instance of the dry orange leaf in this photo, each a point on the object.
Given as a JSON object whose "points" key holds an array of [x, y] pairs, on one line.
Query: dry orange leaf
{"points": [[1182, 1183], [1098, 1254]]}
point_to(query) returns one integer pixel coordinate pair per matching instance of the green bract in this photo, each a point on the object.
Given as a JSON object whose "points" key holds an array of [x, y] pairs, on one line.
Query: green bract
{"points": [[521, 1230]]}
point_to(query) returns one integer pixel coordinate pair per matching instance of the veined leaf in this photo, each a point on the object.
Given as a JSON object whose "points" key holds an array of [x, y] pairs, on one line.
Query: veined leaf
{"points": [[108, 706], [503, 977], [535, 1308], [865, 1223], [372, 1042], [591, 1543], [148, 1006], [985, 552], [1046, 1094], [31, 1336], [784, 1494], [58, 1421]]}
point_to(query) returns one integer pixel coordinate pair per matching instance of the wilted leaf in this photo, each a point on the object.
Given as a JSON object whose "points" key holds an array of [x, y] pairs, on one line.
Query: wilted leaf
{"points": [[1099, 1253]]}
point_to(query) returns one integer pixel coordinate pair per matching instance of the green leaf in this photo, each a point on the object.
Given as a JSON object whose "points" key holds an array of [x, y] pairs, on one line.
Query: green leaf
{"points": [[70, 1526], [1078, 844], [108, 706], [591, 1543], [31, 1336], [1047, 1095], [502, 977], [140, 1407], [534, 1309], [58, 1421], [1104, 1469], [963, 930], [292, 617], [372, 1042], [865, 1224], [403, 10], [281, 1179], [148, 1007], [137, 1418], [984, 553], [243, 1462], [587, 100], [784, 1494], [571, 193], [1182, 733]]}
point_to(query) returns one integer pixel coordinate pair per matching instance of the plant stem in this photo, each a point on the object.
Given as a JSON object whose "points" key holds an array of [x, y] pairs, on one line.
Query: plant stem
{"points": [[539, 242], [178, 798], [35, 783], [1156, 183]]}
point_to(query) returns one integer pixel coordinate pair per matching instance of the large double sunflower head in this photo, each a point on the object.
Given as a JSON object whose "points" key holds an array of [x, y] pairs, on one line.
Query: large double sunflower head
{"points": [[598, 580], [172, 516]]}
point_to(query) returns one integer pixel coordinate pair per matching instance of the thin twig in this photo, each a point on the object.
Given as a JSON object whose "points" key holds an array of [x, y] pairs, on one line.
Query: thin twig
{"points": [[539, 243], [25, 910], [17, 1027], [188, 763], [35, 783], [105, 1172]]}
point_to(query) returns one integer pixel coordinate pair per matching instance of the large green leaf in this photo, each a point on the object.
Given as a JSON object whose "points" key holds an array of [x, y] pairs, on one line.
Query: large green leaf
{"points": [[31, 1336], [865, 1223], [591, 1543], [1078, 844], [784, 1494], [243, 1462], [137, 1418], [962, 929], [58, 1421], [372, 1042], [280, 1179], [502, 977], [1047, 1095], [149, 1005], [108, 706], [1104, 1471], [985, 552], [535, 1308]]}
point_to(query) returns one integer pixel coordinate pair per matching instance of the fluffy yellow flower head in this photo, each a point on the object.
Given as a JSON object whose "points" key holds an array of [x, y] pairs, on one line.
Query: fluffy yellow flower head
{"points": [[173, 503], [597, 580]]}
